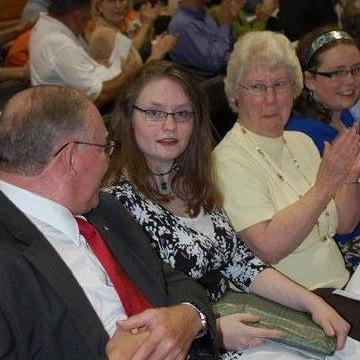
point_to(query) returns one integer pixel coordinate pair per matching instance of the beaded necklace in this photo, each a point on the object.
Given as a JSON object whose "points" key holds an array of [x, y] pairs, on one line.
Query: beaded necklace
{"points": [[283, 178]]}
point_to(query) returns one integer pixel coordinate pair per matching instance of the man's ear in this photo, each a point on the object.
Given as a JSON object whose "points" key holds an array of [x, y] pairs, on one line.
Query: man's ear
{"points": [[309, 80], [67, 160]]}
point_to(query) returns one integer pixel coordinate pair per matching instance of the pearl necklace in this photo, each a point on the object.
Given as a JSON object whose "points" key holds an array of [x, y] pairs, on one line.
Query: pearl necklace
{"points": [[283, 178]]}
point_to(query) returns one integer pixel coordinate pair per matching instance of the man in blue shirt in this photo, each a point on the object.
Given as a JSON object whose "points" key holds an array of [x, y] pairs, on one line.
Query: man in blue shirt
{"points": [[203, 46]]}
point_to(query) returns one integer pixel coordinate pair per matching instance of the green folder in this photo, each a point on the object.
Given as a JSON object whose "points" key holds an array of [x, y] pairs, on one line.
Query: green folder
{"points": [[301, 332]]}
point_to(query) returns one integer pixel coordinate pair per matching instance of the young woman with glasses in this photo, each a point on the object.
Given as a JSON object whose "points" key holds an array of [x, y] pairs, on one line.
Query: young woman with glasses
{"points": [[330, 61]]}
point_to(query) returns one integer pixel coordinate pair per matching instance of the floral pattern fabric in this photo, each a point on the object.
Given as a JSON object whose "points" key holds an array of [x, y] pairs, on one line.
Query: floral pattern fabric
{"points": [[213, 261]]}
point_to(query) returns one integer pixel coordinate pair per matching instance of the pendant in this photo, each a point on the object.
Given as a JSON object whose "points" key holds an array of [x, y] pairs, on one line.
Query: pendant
{"points": [[164, 186]]}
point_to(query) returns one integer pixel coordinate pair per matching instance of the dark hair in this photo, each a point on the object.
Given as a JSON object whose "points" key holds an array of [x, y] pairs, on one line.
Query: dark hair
{"points": [[351, 24], [34, 122], [64, 7], [194, 181], [305, 103]]}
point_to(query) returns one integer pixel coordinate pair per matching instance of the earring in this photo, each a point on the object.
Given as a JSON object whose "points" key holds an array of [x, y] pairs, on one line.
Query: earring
{"points": [[310, 96]]}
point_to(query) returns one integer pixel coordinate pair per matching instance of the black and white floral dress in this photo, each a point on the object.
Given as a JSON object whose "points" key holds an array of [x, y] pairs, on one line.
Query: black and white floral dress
{"points": [[211, 260]]}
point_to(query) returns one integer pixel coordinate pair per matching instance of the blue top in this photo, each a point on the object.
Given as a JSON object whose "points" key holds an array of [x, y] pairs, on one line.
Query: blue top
{"points": [[202, 45], [320, 132]]}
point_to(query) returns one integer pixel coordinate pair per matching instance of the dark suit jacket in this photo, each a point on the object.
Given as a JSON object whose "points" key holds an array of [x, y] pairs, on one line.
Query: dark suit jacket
{"points": [[44, 313]]}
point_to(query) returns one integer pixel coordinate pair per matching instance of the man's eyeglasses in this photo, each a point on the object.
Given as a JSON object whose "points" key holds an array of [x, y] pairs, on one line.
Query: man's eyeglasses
{"points": [[260, 89], [154, 115], [339, 74], [108, 147]]}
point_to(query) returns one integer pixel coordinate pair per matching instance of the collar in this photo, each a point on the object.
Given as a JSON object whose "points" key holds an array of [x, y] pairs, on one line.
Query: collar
{"points": [[45, 210]]}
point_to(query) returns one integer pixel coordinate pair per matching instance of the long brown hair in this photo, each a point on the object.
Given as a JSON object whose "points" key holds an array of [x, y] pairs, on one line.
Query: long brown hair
{"points": [[194, 180], [305, 103]]}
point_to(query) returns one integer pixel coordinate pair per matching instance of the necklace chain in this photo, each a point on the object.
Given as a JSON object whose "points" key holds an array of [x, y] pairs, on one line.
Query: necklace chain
{"points": [[284, 179], [164, 184]]}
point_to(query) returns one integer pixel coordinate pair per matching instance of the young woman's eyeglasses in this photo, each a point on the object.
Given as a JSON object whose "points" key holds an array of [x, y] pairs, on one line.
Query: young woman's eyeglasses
{"points": [[108, 147], [154, 115], [260, 89], [339, 74]]}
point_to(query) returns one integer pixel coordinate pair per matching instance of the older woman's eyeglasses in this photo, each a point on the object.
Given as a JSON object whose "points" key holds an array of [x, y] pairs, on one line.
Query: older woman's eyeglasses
{"points": [[154, 115], [108, 147], [260, 89], [339, 74]]}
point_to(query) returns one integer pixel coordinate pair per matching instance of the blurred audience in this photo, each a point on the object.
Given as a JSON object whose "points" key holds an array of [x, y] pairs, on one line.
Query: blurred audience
{"points": [[18, 54], [58, 55], [110, 21], [243, 23], [203, 46]]}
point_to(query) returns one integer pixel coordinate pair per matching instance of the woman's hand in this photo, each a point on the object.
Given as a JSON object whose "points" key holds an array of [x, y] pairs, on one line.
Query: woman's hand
{"points": [[162, 45], [330, 321], [354, 171], [235, 335], [339, 161]]}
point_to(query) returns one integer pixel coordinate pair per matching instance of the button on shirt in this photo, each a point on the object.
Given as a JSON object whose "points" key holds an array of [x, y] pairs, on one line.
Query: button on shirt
{"points": [[58, 56], [60, 228], [202, 44]]}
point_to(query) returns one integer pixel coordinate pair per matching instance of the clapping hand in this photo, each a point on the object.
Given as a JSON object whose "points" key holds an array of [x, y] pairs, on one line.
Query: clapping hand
{"points": [[341, 160], [162, 45]]}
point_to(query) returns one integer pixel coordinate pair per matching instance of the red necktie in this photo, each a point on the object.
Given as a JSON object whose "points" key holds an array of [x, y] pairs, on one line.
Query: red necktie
{"points": [[131, 297]]}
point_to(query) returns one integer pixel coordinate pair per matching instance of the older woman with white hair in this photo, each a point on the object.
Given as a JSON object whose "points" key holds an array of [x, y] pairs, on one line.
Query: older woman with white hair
{"points": [[284, 201]]}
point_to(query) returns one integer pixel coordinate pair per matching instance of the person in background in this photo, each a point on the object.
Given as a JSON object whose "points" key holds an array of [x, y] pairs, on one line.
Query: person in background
{"points": [[78, 278], [108, 24], [32, 10], [241, 24], [203, 46], [330, 62], [58, 55], [283, 200], [162, 173]]}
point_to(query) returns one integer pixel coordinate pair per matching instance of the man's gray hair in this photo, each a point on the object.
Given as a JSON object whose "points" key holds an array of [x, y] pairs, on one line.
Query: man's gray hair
{"points": [[264, 49], [36, 121]]}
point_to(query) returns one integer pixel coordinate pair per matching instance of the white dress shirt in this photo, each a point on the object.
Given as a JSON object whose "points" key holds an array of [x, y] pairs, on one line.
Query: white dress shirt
{"points": [[60, 228], [58, 56]]}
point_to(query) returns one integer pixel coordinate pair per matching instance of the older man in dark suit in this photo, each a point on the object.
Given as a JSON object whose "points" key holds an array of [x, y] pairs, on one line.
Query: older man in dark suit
{"points": [[75, 287]]}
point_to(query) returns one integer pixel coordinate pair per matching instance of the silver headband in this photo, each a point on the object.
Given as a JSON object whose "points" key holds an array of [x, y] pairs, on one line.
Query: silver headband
{"points": [[324, 40]]}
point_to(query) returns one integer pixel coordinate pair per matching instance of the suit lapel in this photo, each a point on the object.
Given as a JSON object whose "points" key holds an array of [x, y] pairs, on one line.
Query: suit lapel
{"points": [[46, 260], [128, 251]]}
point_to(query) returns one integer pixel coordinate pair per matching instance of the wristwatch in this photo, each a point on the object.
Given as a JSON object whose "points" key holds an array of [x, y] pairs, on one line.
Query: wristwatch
{"points": [[203, 320], [204, 325]]}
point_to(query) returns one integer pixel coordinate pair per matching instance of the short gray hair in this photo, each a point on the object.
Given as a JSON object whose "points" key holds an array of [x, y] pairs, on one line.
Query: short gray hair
{"points": [[261, 48], [34, 122]]}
